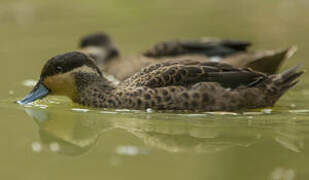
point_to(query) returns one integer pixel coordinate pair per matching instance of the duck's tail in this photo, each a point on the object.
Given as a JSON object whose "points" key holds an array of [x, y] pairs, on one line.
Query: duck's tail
{"points": [[278, 84], [287, 79], [270, 61]]}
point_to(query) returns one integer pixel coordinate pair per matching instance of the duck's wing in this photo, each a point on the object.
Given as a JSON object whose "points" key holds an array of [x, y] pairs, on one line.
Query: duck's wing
{"points": [[188, 73], [204, 46]]}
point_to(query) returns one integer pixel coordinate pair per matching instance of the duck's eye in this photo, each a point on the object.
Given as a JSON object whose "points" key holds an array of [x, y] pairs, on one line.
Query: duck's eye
{"points": [[59, 69]]}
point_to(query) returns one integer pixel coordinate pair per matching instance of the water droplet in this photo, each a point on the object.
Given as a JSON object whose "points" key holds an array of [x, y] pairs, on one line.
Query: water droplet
{"points": [[54, 147], [215, 59], [36, 147], [29, 83], [149, 110], [293, 105], [267, 111]]}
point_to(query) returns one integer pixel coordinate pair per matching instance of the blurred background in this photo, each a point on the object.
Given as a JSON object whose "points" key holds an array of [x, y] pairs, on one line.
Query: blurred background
{"points": [[54, 141]]}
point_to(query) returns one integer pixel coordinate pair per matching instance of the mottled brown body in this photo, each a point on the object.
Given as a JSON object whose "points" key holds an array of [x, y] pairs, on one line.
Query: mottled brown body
{"points": [[201, 97]]}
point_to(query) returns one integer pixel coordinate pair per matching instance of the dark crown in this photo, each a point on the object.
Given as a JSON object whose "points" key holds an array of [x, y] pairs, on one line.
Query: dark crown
{"points": [[96, 39], [66, 62]]}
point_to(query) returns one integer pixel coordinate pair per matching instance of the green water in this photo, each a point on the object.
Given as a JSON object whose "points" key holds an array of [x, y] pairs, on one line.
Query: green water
{"points": [[54, 139]]}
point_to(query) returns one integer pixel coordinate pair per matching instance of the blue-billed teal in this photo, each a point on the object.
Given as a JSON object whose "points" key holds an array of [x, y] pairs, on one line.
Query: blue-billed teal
{"points": [[181, 85], [234, 52]]}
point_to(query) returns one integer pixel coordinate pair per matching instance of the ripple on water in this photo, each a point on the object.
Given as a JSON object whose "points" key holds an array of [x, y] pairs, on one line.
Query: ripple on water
{"points": [[108, 112], [299, 111], [130, 150], [41, 106], [80, 110]]}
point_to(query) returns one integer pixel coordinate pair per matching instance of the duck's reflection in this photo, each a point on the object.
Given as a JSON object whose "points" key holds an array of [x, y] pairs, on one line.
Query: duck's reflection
{"points": [[74, 133]]}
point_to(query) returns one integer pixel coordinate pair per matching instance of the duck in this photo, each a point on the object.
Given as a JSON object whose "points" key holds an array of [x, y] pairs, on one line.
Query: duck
{"points": [[182, 85], [234, 52]]}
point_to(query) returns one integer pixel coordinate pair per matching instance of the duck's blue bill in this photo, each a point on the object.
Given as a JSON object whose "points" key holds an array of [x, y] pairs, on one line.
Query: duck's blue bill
{"points": [[38, 92]]}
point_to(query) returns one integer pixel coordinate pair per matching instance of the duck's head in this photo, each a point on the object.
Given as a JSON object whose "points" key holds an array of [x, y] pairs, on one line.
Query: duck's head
{"points": [[99, 46], [65, 75]]}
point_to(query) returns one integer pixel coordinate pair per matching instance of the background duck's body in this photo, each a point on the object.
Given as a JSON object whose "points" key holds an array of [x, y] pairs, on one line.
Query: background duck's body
{"points": [[100, 47], [183, 85]]}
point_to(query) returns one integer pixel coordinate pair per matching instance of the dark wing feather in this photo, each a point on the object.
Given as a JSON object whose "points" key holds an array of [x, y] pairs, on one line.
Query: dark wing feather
{"points": [[182, 74], [208, 47]]}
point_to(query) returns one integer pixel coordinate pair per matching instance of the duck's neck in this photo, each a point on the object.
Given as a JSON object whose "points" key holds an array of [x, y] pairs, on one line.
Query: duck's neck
{"points": [[92, 90]]}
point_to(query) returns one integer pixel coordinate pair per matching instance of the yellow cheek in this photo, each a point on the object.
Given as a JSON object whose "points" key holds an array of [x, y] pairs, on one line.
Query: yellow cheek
{"points": [[62, 84]]}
